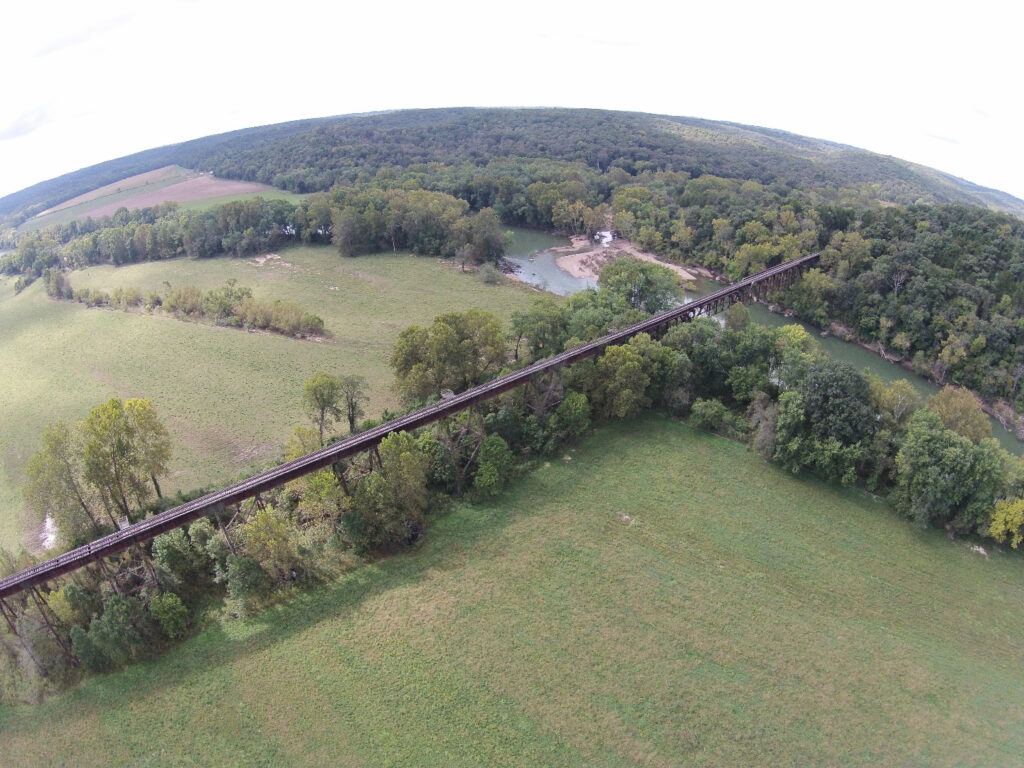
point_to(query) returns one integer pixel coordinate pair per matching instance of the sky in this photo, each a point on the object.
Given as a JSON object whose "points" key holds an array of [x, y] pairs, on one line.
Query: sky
{"points": [[934, 83]]}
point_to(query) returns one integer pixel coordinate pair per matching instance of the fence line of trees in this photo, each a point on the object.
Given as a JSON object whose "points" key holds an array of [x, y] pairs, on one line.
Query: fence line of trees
{"points": [[229, 304]]}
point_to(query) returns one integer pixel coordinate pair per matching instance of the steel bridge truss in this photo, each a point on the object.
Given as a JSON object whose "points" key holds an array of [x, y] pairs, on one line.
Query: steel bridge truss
{"points": [[542, 375]]}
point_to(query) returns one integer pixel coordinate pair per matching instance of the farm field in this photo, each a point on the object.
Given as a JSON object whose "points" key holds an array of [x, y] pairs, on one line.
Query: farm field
{"points": [[657, 597], [191, 189], [228, 397]]}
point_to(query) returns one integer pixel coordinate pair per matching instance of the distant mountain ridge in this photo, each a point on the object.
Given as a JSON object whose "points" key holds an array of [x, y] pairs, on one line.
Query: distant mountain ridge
{"points": [[312, 155]]}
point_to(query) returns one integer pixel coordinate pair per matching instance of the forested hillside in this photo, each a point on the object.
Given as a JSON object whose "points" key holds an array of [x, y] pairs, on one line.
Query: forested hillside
{"points": [[314, 155], [915, 263]]}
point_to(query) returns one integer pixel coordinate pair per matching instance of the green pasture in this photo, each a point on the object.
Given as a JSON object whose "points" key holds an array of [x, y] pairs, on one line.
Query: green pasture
{"points": [[230, 398], [660, 597], [266, 194]]}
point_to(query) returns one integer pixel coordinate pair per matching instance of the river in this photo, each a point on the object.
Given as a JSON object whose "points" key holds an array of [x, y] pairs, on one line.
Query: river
{"points": [[535, 263], [537, 267]]}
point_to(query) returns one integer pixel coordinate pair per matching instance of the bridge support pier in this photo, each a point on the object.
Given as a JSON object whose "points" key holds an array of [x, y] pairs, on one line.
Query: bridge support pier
{"points": [[10, 617], [41, 604], [217, 509]]}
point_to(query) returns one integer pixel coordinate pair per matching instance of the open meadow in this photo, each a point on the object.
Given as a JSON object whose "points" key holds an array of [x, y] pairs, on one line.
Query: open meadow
{"points": [[657, 597], [229, 398]]}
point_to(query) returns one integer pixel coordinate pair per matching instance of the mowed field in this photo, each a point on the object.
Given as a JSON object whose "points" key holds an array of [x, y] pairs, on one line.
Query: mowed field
{"points": [[657, 597], [191, 189], [230, 398]]}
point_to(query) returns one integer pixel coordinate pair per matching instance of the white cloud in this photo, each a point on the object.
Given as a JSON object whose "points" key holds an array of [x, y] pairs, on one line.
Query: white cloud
{"points": [[936, 87]]}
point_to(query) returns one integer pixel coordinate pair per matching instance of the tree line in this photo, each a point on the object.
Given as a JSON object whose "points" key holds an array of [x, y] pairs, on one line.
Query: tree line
{"points": [[773, 388], [937, 287], [229, 304]]}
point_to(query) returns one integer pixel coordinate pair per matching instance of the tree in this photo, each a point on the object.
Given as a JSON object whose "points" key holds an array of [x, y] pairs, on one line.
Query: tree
{"points": [[942, 477], [57, 487], [1008, 521], [622, 383], [571, 419], [494, 464], [113, 639], [543, 326], [268, 539], [388, 505], [125, 448], [961, 412], [896, 401], [489, 241], [645, 286], [321, 397], [459, 350], [248, 584], [810, 295], [353, 392], [170, 613], [837, 402]]}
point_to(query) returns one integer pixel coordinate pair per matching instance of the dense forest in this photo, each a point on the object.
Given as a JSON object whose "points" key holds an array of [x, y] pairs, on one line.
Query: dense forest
{"points": [[315, 155]]}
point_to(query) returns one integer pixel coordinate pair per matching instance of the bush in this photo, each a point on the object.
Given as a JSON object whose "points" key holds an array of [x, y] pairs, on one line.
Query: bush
{"points": [[170, 613], [128, 297], [490, 275], [98, 299], [713, 416], [23, 282], [185, 300], [248, 584], [312, 325], [113, 639], [494, 465]]}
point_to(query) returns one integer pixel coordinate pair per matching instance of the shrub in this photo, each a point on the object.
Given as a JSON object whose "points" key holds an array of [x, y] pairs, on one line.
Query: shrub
{"points": [[713, 416], [170, 613], [185, 300], [490, 275], [248, 584], [312, 325], [494, 465]]}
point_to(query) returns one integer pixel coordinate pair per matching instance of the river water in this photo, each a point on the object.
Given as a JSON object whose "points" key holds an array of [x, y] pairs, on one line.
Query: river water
{"points": [[535, 263], [537, 267]]}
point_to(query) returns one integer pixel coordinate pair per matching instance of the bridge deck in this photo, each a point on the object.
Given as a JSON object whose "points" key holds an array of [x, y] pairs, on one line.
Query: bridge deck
{"points": [[325, 457]]}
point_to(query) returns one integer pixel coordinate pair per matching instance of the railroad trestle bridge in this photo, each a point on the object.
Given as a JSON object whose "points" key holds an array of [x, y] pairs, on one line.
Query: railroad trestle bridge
{"points": [[215, 503]]}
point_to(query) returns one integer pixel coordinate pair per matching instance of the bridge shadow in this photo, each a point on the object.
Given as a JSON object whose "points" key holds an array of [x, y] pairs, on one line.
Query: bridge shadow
{"points": [[443, 548]]}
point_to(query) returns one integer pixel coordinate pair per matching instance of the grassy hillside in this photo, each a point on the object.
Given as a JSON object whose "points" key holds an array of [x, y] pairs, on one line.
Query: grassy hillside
{"points": [[229, 398], [658, 597], [190, 189]]}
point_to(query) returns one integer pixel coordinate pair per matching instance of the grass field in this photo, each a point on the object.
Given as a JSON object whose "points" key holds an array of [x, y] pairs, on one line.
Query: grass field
{"points": [[659, 597], [229, 398]]}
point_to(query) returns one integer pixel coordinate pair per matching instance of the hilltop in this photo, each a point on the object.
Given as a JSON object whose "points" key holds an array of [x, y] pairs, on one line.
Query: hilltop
{"points": [[313, 155]]}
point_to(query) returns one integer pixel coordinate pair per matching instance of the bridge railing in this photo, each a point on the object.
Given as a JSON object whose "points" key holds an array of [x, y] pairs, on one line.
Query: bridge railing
{"points": [[264, 481]]}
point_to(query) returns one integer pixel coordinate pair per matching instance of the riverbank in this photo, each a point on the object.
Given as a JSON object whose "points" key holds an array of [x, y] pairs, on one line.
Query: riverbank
{"points": [[583, 258]]}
